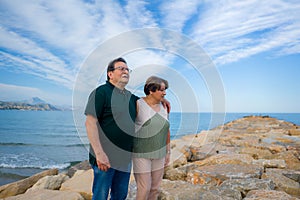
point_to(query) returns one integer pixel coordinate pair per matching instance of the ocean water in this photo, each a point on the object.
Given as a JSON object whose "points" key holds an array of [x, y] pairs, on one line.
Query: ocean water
{"points": [[32, 141]]}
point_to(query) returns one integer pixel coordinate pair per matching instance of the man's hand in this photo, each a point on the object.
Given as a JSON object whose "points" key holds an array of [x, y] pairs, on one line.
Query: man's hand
{"points": [[103, 162], [92, 133], [166, 104]]}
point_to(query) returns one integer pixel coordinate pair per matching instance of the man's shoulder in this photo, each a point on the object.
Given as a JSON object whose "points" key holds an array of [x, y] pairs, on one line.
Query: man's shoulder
{"points": [[103, 87], [134, 97]]}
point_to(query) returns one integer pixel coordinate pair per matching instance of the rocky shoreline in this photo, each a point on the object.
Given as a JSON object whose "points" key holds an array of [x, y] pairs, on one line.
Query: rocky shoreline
{"points": [[255, 157]]}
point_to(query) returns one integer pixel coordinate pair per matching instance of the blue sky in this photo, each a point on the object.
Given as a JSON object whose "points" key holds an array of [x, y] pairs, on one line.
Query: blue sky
{"points": [[254, 46]]}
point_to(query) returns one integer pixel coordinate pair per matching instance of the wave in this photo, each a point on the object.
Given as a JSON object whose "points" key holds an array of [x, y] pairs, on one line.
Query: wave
{"points": [[35, 166], [14, 144], [22, 161], [77, 145], [41, 145]]}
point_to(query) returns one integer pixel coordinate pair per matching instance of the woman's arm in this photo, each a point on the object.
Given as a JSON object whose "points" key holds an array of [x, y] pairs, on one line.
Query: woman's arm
{"points": [[168, 148]]}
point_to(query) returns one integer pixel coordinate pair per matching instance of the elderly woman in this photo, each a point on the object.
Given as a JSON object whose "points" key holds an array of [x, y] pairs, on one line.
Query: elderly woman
{"points": [[151, 145]]}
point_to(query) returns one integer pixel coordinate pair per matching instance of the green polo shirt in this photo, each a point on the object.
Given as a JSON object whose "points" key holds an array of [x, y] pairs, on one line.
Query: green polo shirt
{"points": [[115, 110]]}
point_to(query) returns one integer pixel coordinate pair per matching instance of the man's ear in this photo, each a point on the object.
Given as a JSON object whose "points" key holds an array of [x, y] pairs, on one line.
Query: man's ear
{"points": [[109, 74]]}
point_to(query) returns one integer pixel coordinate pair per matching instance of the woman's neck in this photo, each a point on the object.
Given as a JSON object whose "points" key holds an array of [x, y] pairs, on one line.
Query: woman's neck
{"points": [[151, 101]]}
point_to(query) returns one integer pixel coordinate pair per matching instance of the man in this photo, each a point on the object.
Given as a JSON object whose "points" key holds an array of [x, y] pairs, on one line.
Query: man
{"points": [[110, 116]]}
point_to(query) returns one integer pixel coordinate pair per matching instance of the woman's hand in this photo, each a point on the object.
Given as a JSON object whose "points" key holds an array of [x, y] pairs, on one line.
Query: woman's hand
{"points": [[167, 158]]}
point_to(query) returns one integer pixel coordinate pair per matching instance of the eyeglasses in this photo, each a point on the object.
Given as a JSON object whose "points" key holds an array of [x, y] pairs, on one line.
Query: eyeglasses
{"points": [[123, 69]]}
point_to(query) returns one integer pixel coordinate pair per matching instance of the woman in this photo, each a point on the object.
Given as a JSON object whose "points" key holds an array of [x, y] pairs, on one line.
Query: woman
{"points": [[151, 146]]}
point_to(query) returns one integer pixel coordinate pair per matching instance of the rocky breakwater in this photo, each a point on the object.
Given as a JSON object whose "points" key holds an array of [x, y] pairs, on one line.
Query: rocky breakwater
{"points": [[255, 157], [251, 158]]}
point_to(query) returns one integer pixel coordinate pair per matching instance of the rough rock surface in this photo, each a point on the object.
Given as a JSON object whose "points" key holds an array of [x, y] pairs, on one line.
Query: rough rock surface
{"points": [[81, 182]]}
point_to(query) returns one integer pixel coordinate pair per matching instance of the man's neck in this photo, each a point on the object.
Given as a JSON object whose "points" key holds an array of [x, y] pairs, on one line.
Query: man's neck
{"points": [[118, 85]]}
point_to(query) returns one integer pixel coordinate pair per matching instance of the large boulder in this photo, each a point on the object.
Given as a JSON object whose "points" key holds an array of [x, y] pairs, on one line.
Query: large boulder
{"points": [[81, 182], [283, 182], [47, 195], [245, 185], [173, 190], [216, 174], [232, 158], [50, 182], [268, 195], [84, 165], [21, 186]]}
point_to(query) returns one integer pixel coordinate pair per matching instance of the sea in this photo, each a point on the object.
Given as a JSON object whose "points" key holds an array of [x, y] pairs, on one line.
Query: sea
{"points": [[33, 141]]}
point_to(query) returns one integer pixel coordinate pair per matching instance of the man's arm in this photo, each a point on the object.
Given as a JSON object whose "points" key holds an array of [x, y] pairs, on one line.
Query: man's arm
{"points": [[166, 104], [91, 125]]}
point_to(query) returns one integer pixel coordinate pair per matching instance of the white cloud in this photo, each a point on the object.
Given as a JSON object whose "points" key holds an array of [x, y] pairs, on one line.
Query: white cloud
{"points": [[138, 15], [14, 92], [51, 39], [233, 30], [176, 13], [10, 92]]}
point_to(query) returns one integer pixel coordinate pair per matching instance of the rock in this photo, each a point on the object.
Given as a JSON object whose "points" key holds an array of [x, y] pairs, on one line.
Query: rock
{"points": [[47, 194], [294, 175], [290, 158], [173, 190], [81, 182], [246, 185], [175, 174], [255, 152], [50, 182], [21, 186], [270, 163], [268, 195], [294, 132], [200, 153], [177, 158], [179, 173], [282, 182], [216, 174], [232, 158], [84, 165]]}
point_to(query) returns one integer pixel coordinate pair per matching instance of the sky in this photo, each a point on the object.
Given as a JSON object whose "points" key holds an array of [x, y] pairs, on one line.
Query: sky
{"points": [[218, 56]]}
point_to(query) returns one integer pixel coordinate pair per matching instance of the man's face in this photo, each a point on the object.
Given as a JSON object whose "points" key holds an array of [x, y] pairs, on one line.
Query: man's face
{"points": [[120, 74]]}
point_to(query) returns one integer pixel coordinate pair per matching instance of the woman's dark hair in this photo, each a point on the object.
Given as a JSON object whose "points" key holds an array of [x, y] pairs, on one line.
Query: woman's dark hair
{"points": [[111, 65], [153, 84]]}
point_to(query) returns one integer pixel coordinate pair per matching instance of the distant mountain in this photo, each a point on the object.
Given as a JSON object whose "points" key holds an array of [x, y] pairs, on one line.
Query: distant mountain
{"points": [[34, 103]]}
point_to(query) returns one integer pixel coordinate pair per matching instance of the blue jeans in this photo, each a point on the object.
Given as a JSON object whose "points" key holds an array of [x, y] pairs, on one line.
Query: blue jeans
{"points": [[115, 180]]}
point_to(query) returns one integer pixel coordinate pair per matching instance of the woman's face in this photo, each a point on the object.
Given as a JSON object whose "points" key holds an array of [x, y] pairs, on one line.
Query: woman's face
{"points": [[159, 94]]}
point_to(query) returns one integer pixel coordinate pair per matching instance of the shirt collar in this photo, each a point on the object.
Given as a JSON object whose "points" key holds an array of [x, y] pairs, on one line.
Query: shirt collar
{"points": [[115, 88]]}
